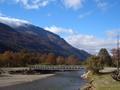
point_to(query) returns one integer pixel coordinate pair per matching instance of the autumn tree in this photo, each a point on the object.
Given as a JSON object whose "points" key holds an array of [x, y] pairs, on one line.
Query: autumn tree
{"points": [[7, 58], [25, 58], [42, 58], [115, 54], [72, 60], [2, 63], [51, 59], [60, 60], [16, 60], [94, 64]]}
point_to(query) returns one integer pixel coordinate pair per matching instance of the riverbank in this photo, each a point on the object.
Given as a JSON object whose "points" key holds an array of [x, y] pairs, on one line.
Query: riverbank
{"points": [[102, 81], [60, 81], [105, 82], [7, 80]]}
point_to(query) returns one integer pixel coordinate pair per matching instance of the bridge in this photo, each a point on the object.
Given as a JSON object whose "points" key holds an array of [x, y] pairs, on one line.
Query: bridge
{"points": [[56, 67]]}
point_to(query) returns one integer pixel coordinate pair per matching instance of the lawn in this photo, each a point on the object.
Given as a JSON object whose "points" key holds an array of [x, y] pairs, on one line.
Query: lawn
{"points": [[105, 82]]}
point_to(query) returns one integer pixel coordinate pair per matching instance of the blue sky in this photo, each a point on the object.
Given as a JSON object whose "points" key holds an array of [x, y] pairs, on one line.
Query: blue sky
{"points": [[86, 24]]}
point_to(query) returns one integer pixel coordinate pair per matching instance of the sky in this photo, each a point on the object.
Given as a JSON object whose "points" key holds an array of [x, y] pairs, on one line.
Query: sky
{"points": [[85, 24]]}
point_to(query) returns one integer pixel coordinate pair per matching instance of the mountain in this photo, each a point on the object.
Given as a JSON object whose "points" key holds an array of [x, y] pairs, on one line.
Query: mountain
{"points": [[16, 35]]}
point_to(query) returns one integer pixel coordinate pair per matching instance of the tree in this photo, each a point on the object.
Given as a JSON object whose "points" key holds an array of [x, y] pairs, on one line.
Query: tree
{"points": [[94, 64], [42, 58], [16, 60], [115, 54], [72, 60], [7, 58], [60, 60], [105, 58], [51, 59]]}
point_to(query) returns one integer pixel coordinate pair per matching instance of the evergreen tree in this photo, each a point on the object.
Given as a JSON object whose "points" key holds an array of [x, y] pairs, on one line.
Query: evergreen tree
{"points": [[105, 58]]}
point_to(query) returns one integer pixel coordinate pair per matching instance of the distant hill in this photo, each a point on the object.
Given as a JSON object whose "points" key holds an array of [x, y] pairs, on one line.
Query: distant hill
{"points": [[20, 35]]}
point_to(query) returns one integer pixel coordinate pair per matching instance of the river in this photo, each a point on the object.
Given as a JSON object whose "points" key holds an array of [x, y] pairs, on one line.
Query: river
{"points": [[61, 81]]}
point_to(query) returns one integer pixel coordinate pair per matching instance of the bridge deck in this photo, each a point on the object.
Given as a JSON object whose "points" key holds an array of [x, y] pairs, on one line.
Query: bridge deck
{"points": [[56, 67]]}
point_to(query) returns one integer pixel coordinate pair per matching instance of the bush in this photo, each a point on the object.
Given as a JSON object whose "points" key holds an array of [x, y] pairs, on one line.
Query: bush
{"points": [[94, 64]]}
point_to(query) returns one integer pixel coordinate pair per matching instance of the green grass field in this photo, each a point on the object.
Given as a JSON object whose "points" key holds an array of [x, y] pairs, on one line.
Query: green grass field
{"points": [[105, 82]]}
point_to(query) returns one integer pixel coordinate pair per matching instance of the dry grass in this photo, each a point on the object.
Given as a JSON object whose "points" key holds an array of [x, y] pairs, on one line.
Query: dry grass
{"points": [[105, 82]]}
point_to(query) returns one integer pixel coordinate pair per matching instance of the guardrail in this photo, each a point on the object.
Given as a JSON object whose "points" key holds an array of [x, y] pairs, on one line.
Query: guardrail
{"points": [[56, 67]]}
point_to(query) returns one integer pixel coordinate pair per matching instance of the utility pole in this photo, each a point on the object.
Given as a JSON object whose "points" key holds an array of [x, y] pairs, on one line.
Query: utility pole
{"points": [[118, 52]]}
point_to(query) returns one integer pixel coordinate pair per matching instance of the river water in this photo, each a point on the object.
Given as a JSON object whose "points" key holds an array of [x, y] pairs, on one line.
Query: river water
{"points": [[61, 81]]}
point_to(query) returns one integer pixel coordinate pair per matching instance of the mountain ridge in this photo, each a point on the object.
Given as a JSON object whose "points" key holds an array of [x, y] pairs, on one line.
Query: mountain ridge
{"points": [[35, 39]]}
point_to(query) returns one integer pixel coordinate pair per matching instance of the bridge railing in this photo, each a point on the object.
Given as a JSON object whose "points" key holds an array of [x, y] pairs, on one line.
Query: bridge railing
{"points": [[55, 67]]}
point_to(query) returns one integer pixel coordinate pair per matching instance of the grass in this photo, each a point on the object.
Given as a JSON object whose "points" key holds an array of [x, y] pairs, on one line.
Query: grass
{"points": [[105, 82]]}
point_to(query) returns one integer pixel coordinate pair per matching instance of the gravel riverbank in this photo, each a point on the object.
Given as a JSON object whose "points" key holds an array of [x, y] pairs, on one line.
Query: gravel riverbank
{"points": [[6, 80]]}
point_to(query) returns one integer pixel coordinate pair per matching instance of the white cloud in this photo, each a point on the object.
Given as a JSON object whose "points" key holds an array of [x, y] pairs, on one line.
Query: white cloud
{"points": [[12, 21], [34, 4], [113, 33], [71, 4], [59, 30], [30, 4], [89, 43], [9, 20], [74, 4], [102, 4], [81, 16]]}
